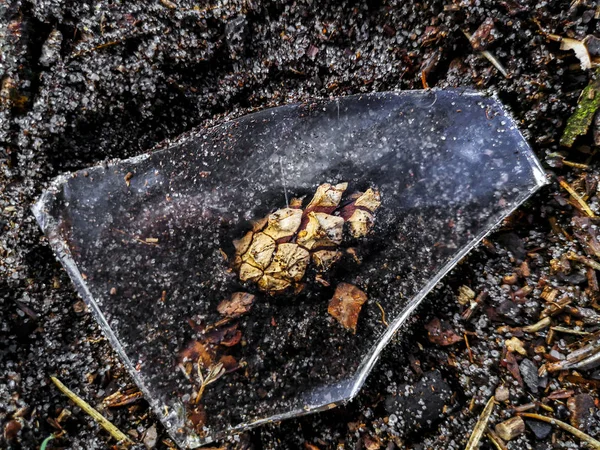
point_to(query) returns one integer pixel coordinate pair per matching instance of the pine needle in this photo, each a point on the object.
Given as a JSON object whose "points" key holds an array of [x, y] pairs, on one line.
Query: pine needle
{"points": [[481, 425], [104, 423], [491, 58], [593, 443]]}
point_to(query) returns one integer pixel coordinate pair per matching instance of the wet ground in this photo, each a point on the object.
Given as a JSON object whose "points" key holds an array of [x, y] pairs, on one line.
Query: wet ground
{"points": [[86, 83]]}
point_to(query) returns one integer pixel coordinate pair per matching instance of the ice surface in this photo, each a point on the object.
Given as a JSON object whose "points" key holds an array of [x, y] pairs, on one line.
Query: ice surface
{"points": [[148, 243]]}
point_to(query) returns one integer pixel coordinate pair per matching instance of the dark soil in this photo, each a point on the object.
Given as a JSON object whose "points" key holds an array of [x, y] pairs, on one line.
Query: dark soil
{"points": [[88, 82]]}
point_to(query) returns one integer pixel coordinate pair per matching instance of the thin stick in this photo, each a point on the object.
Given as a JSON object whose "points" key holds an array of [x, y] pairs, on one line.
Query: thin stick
{"points": [[495, 439], [570, 331], [545, 322], [468, 348], [582, 259], [481, 425], [576, 165], [576, 197], [565, 426], [108, 426]]}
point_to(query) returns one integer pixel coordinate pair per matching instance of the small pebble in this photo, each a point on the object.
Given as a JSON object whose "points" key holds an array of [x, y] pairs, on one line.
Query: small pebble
{"points": [[541, 430], [529, 372], [502, 393]]}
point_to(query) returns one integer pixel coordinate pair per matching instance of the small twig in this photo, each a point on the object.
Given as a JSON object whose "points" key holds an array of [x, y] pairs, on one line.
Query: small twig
{"points": [[495, 439], [169, 4], [584, 206], [382, 314], [544, 323], [99, 47], [108, 426], [121, 399], [565, 426], [525, 407], [555, 308], [468, 348], [570, 331], [584, 260], [578, 358], [217, 324], [575, 165], [481, 425]]}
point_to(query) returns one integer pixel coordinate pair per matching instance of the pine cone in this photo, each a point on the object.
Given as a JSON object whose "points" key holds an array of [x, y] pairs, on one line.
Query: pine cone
{"points": [[279, 249]]}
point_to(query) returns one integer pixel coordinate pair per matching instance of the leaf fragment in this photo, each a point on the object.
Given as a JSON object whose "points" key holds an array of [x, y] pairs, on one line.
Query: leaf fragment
{"points": [[346, 304], [239, 303], [580, 49]]}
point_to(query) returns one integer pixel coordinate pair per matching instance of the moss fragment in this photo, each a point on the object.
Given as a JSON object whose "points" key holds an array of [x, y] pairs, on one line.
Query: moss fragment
{"points": [[579, 123]]}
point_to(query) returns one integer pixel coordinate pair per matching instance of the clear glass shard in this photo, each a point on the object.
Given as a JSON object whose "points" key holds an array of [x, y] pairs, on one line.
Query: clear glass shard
{"points": [[225, 320]]}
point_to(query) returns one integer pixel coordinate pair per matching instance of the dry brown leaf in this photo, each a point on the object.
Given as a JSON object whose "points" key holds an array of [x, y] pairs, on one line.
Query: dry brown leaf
{"points": [[346, 304], [239, 303], [441, 333], [195, 351]]}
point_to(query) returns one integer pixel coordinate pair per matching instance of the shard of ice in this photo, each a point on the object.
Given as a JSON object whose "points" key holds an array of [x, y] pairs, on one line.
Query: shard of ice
{"points": [[149, 244]]}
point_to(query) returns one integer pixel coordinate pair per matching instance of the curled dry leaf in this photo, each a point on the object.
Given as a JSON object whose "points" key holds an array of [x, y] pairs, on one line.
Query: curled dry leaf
{"points": [[223, 335], [583, 411], [441, 333], [346, 304], [510, 362], [580, 50], [239, 303], [229, 363], [11, 429], [232, 338]]}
